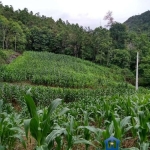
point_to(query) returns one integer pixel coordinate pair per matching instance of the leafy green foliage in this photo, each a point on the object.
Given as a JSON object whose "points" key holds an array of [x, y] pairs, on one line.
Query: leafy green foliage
{"points": [[120, 58], [10, 128], [126, 117], [25, 30], [119, 35], [43, 95], [41, 123], [139, 23], [58, 70], [102, 104], [5, 56], [144, 71], [43, 128], [2, 55], [75, 129]]}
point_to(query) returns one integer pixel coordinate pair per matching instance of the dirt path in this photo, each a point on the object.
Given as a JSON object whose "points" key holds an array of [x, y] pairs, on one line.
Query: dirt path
{"points": [[12, 57]]}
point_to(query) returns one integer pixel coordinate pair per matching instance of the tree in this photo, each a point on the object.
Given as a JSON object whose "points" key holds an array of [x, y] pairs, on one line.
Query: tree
{"points": [[144, 71], [121, 58], [8, 12], [40, 39], [3, 26], [102, 45], [15, 36], [87, 49], [118, 33]]}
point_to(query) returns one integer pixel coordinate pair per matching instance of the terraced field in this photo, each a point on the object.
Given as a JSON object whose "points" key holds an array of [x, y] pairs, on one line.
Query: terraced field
{"points": [[43, 68]]}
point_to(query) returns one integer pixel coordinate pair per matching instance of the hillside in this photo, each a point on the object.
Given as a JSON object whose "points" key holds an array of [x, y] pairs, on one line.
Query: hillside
{"points": [[6, 56], [50, 76], [56, 70], [139, 23]]}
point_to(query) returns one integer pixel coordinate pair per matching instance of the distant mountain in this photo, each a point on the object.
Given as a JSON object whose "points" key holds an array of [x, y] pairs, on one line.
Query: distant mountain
{"points": [[139, 23]]}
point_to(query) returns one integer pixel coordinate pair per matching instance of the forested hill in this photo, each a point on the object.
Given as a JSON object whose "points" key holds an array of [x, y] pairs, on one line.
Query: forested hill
{"points": [[23, 30], [139, 23]]}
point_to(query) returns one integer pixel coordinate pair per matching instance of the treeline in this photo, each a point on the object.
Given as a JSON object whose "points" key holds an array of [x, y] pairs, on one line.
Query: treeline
{"points": [[23, 30]]}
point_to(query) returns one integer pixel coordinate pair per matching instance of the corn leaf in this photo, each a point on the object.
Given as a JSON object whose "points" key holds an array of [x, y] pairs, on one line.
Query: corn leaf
{"points": [[27, 126], [31, 106], [53, 106]]}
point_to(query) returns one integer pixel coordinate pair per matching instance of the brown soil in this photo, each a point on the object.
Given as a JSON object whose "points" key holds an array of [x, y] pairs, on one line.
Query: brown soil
{"points": [[82, 147], [30, 144], [16, 105], [129, 143]]}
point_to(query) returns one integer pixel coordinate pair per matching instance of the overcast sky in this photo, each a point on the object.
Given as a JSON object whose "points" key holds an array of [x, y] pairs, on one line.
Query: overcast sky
{"points": [[84, 12]]}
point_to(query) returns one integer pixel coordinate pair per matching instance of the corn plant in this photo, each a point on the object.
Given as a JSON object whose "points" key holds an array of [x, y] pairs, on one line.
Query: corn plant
{"points": [[42, 123], [121, 126], [72, 138], [10, 129]]}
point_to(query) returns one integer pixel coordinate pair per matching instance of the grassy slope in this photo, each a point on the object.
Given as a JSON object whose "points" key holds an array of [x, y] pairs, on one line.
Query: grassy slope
{"points": [[5, 55], [2, 57], [43, 68]]}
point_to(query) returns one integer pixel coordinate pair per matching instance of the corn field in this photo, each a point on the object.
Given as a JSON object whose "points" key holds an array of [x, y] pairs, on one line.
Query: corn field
{"points": [[65, 103], [43, 68], [87, 122]]}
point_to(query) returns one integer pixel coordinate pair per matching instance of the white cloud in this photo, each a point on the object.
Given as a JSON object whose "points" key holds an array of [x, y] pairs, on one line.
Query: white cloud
{"points": [[85, 12]]}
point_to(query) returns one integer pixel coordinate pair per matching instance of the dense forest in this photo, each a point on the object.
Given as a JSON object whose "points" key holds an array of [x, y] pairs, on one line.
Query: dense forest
{"points": [[117, 46], [139, 23]]}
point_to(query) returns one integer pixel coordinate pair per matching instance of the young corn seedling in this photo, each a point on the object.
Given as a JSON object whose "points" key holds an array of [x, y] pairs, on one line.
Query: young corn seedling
{"points": [[72, 138], [42, 123], [143, 127], [10, 129]]}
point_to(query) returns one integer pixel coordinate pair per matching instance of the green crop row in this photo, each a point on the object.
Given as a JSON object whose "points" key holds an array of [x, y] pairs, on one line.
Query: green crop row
{"points": [[43, 95], [58, 70]]}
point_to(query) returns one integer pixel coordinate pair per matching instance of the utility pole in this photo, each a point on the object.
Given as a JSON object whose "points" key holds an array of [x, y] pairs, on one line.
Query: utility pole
{"points": [[137, 61]]}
